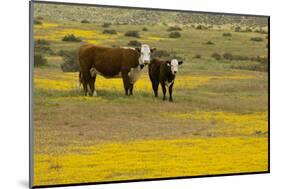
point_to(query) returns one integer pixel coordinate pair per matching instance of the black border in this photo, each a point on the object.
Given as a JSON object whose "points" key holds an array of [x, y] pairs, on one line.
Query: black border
{"points": [[132, 180]]}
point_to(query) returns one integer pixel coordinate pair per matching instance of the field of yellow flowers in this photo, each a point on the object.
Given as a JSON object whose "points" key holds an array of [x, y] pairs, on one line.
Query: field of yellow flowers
{"points": [[206, 141]]}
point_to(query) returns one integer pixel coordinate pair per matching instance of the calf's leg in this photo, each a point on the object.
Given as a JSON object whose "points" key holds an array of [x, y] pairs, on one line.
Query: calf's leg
{"points": [[170, 92], [163, 90], [131, 87], [155, 85]]}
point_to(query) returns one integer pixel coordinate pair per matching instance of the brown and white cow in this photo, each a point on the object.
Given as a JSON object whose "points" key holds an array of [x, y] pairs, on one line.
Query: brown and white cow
{"points": [[111, 63], [163, 72]]}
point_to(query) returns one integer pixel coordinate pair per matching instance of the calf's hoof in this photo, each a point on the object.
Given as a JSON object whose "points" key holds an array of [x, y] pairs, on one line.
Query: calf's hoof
{"points": [[171, 100], [164, 98]]}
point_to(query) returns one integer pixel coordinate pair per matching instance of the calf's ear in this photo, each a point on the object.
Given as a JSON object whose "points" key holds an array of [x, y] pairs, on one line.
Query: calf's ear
{"points": [[168, 63], [152, 50], [138, 49], [180, 62]]}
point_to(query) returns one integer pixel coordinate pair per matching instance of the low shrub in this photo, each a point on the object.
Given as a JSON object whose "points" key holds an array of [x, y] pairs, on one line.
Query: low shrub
{"points": [[41, 46], [41, 42], [39, 60], [85, 22], [228, 56], [160, 53], [144, 29], [109, 32], [201, 27], [175, 34], [37, 22], [134, 43], [132, 34], [197, 56], [227, 34], [106, 25], [70, 63], [237, 29], [216, 56], [257, 39], [174, 28], [71, 38], [209, 43], [39, 18]]}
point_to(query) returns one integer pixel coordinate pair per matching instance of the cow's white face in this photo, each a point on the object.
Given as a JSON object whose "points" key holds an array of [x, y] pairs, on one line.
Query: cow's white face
{"points": [[174, 65], [145, 53]]}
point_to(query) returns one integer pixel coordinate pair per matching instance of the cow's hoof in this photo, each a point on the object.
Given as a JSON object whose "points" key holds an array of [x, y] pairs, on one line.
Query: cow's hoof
{"points": [[170, 100], [95, 93]]}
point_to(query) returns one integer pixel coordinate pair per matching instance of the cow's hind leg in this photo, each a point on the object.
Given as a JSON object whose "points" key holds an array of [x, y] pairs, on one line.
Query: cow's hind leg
{"points": [[163, 90], [92, 85]]}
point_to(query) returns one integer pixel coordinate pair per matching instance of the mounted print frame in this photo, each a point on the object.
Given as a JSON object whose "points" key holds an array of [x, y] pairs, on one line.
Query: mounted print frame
{"points": [[126, 94]]}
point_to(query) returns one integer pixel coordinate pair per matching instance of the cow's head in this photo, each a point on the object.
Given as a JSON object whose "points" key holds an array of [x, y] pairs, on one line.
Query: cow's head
{"points": [[174, 65], [145, 53]]}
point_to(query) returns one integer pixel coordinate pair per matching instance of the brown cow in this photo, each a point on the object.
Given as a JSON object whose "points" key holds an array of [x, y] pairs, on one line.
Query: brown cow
{"points": [[163, 72], [111, 63]]}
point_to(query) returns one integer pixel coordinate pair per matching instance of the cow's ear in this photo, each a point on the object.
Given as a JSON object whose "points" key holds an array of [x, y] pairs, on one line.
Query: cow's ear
{"points": [[138, 49], [180, 62], [168, 63], [152, 50]]}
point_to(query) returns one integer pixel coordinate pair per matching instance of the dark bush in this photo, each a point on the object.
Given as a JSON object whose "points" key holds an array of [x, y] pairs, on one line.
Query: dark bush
{"points": [[132, 34], [41, 42], [257, 39], [248, 30], [201, 27], [227, 34], [39, 18], [197, 56], [175, 34], [39, 60], [216, 56], [71, 38], [228, 56], [161, 53], [106, 25], [174, 28], [109, 32], [37, 22], [134, 43], [85, 22], [144, 29], [237, 29], [209, 43], [41, 46], [70, 63]]}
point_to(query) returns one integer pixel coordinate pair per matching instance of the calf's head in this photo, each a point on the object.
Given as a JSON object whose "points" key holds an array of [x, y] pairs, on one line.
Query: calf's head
{"points": [[174, 65], [145, 53]]}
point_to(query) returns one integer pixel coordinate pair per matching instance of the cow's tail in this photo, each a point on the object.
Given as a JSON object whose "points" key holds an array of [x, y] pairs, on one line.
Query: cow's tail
{"points": [[80, 79]]}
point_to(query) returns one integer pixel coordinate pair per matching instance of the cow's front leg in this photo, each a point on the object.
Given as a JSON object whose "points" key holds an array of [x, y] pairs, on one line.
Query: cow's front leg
{"points": [[163, 90], [170, 92], [126, 82]]}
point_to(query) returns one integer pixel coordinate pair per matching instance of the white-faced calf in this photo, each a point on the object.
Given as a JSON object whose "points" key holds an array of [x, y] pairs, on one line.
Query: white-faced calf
{"points": [[163, 72]]}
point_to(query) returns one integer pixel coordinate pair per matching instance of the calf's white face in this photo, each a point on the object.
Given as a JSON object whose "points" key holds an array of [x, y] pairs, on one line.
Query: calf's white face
{"points": [[145, 53], [174, 65]]}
